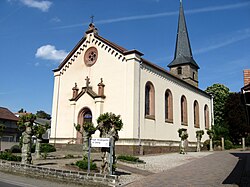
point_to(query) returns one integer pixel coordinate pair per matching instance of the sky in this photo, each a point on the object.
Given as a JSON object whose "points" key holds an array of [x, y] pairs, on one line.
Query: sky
{"points": [[36, 35]]}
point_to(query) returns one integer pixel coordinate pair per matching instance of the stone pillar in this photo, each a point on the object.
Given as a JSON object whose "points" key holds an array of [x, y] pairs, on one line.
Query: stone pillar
{"points": [[211, 145], [222, 144], [243, 144], [26, 148], [99, 106], [198, 144], [38, 145]]}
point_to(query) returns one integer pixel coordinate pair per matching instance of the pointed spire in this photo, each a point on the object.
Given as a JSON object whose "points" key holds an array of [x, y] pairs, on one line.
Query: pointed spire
{"points": [[183, 52]]}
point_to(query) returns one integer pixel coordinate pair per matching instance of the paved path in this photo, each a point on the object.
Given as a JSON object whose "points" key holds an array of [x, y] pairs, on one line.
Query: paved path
{"points": [[218, 169], [134, 170]]}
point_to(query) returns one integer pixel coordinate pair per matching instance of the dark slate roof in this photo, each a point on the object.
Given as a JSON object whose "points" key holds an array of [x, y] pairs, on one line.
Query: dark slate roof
{"points": [[42, 121], [175, 77], [183, 53], [6, 114]]}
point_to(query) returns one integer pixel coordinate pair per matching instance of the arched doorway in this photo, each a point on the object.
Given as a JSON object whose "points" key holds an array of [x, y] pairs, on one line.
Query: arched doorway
{"points": [[85, 115]]}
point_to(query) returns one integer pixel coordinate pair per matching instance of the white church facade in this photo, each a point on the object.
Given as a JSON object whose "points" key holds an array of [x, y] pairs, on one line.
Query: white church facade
{"points": [[99, 76]]}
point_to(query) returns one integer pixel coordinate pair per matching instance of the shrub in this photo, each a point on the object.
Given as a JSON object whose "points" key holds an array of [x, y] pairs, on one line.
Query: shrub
{"points": [[248, 140], [129, 158], [10, 157], [83, 164], [206, 145], [47, 148], [15, 149], [228, 144], [216, 143]]}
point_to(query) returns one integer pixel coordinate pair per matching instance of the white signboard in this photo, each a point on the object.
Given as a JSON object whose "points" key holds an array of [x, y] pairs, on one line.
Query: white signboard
{"points": [[100, 142]]}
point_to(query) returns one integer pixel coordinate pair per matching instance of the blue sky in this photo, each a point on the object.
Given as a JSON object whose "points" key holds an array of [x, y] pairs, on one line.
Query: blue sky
{"points": [[36, 35]]}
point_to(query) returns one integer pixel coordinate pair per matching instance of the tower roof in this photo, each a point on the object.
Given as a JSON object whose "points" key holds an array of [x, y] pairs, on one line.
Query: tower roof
{"points": [[183, 52]]}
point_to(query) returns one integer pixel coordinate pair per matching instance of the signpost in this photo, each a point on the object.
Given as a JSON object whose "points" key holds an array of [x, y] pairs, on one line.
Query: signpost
{"points": [[101, 142]]}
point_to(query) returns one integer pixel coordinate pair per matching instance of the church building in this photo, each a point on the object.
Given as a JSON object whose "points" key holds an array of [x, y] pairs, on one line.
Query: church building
{"points": [[99, 76]]}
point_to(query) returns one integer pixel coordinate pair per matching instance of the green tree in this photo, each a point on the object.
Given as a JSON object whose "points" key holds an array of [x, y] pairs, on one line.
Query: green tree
{"points": [[86, 130], [21, 110], [43, 115], [109, 124], [235, 118], [2, 127], [220, 94], [25, 124]]}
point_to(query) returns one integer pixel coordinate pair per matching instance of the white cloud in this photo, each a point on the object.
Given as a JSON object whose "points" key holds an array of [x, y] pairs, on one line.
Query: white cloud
{"points": [[41, 5], [49, 52]]}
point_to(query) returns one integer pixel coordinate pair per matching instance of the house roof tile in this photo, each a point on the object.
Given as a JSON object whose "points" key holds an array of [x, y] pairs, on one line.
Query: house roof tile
{"points": [[6, 114]]}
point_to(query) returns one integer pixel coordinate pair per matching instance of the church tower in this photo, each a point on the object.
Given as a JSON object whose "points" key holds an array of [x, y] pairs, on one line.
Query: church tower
{"points": [[183, 64]]}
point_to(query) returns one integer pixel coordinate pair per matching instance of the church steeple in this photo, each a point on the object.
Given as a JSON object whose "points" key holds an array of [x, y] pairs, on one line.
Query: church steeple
{"points": [[183, 64]]}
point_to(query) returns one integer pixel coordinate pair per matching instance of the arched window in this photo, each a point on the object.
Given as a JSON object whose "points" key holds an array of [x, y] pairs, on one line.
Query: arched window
{"points": [[206, 117], [87, 118], [184, 120], [168, 106], [149, 100], [196, 115]]}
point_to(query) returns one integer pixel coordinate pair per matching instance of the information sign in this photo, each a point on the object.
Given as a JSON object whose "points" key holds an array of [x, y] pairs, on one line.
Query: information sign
{"points": [[100, 142]]}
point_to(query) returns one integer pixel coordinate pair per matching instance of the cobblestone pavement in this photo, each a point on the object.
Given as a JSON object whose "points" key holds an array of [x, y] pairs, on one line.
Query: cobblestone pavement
{"points": [[218, 169]]}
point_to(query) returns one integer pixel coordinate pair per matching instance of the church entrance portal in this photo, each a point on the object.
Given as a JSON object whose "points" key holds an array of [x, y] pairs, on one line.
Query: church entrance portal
{"points": [[84, 116]]}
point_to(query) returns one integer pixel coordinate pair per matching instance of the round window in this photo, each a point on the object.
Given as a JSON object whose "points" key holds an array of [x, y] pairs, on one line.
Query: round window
{"points": [[90, 56]]}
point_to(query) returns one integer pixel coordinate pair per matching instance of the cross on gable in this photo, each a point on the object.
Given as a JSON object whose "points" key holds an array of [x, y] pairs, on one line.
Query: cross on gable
{"points": [[87, 81]]}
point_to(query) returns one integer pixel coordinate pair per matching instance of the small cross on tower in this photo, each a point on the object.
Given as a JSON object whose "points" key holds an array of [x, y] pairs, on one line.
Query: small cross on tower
{"points": [[92, 19]]}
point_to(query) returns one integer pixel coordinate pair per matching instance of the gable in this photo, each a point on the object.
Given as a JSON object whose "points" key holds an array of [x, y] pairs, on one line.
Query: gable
{"points": [[92, 38]]}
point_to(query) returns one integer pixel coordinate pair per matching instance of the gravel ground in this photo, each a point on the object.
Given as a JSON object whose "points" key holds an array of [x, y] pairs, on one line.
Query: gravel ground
{"points": [[154, 163], [159, 163]]}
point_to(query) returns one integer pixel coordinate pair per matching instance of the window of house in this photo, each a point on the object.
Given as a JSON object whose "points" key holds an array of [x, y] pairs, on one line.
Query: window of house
{"points": [[179, 70], [149, 100], [184, 120], [168, 106], [196, 115], [206, 117]]}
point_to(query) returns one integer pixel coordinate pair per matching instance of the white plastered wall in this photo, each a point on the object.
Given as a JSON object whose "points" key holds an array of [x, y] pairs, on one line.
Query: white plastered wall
{"points": [[118, 78], [158, 129]]}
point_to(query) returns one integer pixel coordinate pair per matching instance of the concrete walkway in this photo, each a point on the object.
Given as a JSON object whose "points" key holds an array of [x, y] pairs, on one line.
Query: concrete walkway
{"points": [[218, 169]]}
